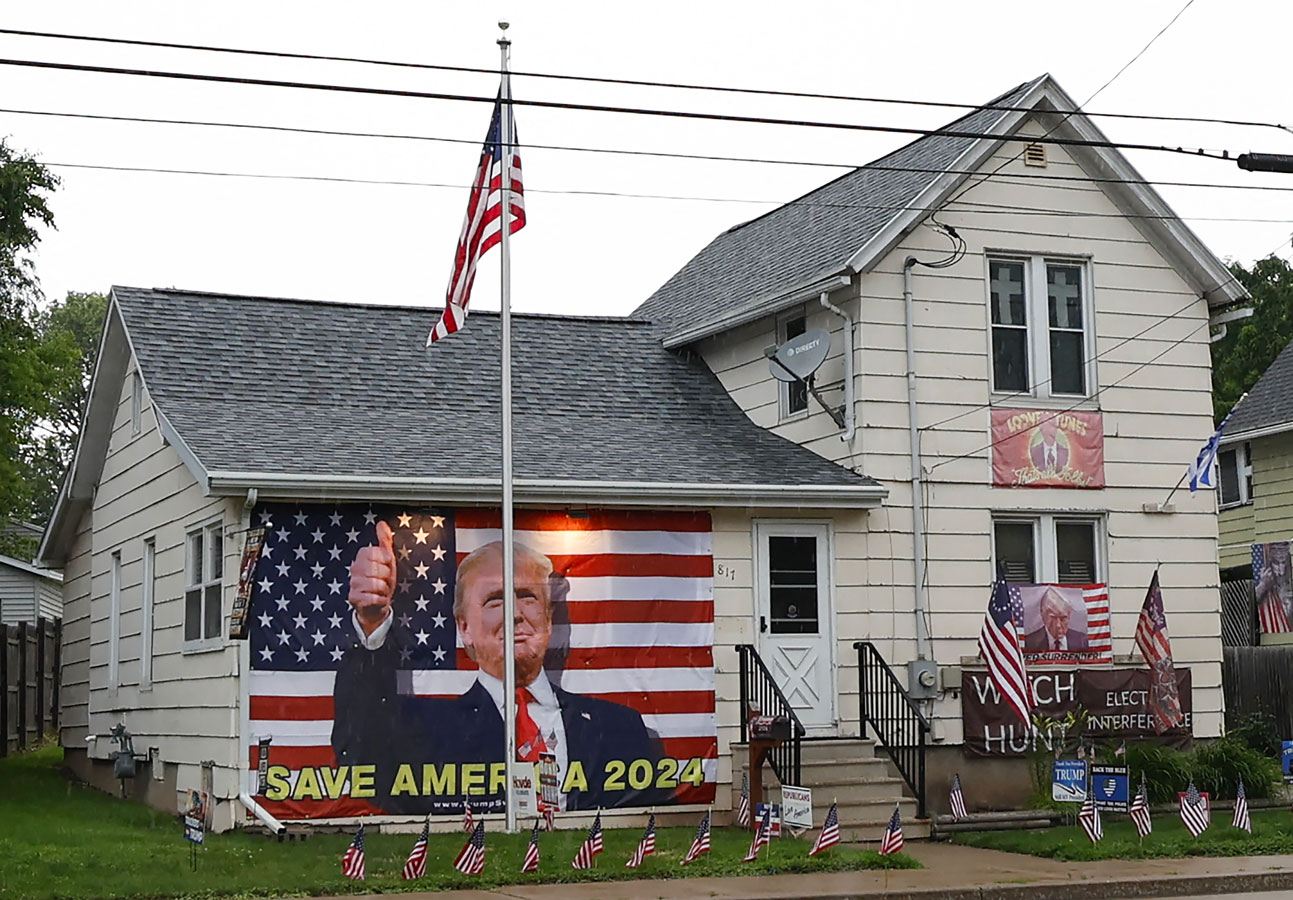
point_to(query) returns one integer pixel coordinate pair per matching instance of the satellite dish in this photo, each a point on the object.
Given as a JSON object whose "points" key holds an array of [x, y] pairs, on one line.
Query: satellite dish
{"points": [[799, 357]]}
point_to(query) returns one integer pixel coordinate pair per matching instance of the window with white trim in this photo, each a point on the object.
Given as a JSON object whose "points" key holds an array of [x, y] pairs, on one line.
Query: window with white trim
{"points": [[1236, 483], [204, 571], [794, 394], [114, 625], [1046, 548], [1042, 333], [148, 575]]}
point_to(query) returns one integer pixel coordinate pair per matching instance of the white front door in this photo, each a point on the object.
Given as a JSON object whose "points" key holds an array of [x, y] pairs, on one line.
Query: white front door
{"points": [[795, 617]]}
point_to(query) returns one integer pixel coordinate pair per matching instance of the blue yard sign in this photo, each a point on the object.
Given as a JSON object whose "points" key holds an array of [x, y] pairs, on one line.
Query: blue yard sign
{"points": [[1110, 786], [1286, 761], [1068, 781]]}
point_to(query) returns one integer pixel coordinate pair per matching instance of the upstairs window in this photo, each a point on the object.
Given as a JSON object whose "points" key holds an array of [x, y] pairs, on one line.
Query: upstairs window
{"points": [[1041, 330], [1236, 474], [204, 573], [1047, 549], [794, 395]]}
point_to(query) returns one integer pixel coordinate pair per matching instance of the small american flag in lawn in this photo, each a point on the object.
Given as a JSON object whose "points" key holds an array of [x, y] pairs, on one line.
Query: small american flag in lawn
{"points": [[1241, 819], [1089, 818], [700, 843], [830, 835], [646, 846], [416, 865], [549, 823], [591, 846], [958, 798], [531, 863], [743, 811], [352, 862], [471, 858], [1193, 813], [468, 820], [892, 840], [482, 228], [1140, 810], [999, 647], [762, 835]]}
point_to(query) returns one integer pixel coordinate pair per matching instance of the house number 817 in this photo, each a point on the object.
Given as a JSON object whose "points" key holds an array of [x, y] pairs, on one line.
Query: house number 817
{"points": [[725, 572]]}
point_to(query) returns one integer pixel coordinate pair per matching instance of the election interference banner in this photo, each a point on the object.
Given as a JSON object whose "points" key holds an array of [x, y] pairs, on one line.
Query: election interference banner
{"points": [[376, 646]]}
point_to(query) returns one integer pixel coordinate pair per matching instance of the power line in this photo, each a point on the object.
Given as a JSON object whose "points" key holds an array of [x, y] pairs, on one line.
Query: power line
{"points": [[980, 208], [281, 54], [590, 107], [870, 166]]}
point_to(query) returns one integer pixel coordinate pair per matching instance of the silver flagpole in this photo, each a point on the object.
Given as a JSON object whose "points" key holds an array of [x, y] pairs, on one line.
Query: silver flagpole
{"points": [[509, 560]]}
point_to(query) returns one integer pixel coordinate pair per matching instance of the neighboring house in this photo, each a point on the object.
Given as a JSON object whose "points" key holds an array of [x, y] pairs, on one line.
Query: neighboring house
{"points": [[1077, 303], [1256, 474], [28, 593]]}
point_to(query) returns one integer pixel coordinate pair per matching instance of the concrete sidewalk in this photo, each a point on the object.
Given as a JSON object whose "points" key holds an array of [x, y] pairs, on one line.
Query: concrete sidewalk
{"points": [[951, 871]]}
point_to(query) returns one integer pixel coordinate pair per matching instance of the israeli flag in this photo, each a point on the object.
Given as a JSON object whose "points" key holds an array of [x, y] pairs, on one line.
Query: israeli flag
{"points": [[1203, 470]]}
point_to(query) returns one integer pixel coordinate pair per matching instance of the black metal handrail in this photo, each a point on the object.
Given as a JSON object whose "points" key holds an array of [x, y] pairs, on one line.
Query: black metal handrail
{"points": [[898, 724], [759, 688]]}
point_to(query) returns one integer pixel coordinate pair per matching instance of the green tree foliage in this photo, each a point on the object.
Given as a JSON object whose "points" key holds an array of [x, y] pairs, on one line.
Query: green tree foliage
{"points": [[1252, 344]]}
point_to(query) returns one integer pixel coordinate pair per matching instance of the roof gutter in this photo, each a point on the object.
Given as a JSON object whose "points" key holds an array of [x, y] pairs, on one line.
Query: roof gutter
{"points": [[549, 491], [759, 308], [1254, 433]]}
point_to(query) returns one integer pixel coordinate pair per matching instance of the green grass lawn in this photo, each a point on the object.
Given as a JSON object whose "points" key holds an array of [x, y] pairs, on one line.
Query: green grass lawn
{"points": [[1272, 833], [60, 840]]}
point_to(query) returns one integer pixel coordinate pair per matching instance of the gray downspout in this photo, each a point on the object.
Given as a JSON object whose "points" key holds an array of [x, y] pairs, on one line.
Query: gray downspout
{"points": [[850, 423], [917, 508]]}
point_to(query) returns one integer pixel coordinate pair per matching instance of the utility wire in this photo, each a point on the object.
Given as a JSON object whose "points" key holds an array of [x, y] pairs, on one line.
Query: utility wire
{"points": [[590, 107], [871, 166], [280, 54]]}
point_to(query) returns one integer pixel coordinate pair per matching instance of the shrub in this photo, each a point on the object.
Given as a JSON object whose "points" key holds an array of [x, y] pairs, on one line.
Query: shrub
{"points": [[1218, 765], [1258, 731], [1166, 771]]}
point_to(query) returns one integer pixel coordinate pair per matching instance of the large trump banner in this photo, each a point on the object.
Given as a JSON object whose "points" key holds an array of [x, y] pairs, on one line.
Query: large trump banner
{"points": [[377, 659]]}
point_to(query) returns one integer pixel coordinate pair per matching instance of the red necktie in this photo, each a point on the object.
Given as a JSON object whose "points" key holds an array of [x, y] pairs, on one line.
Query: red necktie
{"points": [[529, 743]]}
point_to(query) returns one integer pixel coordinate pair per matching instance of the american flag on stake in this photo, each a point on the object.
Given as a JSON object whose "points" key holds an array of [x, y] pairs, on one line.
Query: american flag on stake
{"points": [[471, 858], [591, 846], [957, 798], [1241, 818], [1193, 812], [1140, 810], [1089, 818], [531, 863], [743, 810], [640, 607], [700, 843], [999, 645], [481, 228], [416, 865], [830, 835], [352, 861], [468, 820], [646, 846], [892, 841], [762, 835], [1151, 638]]}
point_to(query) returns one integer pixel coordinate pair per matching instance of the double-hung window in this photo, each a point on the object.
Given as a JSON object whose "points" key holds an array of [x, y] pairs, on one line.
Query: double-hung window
{"points": [[204, 571], [1236, 474], [794, 394], [1048, 549], [1041, 326]]}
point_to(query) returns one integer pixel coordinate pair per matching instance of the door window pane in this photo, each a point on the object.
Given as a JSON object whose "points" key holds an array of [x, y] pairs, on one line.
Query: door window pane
{"points": [[792, 585], [1075, 552], [1014, 544]]}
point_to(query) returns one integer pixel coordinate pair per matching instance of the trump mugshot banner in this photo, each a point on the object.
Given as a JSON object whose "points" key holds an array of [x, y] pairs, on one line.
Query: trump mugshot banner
{"points": [[406, 718]]}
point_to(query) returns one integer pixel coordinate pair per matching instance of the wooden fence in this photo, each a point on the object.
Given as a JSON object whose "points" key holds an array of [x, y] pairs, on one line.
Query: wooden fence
{"points": [[29, 669], [1256, 680]]}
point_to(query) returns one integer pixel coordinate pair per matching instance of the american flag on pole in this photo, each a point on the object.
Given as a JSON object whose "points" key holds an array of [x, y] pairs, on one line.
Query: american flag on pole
{"points": [[1089, 818], [352, 861], [1271, 613], [471, 858], [646, 846], [762, 835], [591, 846], [700, 843], [481, 229], [743, 810], [999, 645], [1194, 810], [830, 835], [1140, 810], [957, 798], [1151, 638], [531, 863], [892, 840], [468, 820], [640, 627], [1241, 818], [416, 865]]}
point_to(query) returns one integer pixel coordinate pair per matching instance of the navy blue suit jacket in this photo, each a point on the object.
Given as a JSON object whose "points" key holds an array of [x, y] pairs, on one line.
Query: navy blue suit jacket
{"points": [[374, 724]]}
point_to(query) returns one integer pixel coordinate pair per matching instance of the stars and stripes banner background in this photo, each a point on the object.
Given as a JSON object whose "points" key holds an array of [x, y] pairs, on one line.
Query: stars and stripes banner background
{"points": [[635, 628], [1089, 619], [1273, 585]]}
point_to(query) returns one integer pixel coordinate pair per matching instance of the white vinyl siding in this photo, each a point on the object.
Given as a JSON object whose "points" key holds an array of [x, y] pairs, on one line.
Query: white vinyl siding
{"points": [[148, 578], [114, 625]]}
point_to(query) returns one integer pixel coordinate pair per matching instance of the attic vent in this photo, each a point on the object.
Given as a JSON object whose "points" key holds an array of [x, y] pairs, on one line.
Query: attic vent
{"points": [[1035, 155]]}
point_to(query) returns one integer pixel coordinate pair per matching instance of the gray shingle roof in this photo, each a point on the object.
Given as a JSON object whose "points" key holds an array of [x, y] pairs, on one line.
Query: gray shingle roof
{"points": [[287, 386], [1270, 401], [815, 235]]}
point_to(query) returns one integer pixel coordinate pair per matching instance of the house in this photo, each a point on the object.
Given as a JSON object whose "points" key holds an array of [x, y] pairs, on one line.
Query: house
{"points": [[1256, 469], [1014, 328], [28, 593]]}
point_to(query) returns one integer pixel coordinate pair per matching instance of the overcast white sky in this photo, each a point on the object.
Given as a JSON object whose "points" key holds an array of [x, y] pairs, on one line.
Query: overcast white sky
{"points": [[579, 253]]}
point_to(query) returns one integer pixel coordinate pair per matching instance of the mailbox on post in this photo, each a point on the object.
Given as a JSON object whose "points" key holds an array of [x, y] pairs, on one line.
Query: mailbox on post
{"points": [[766, 732]]}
